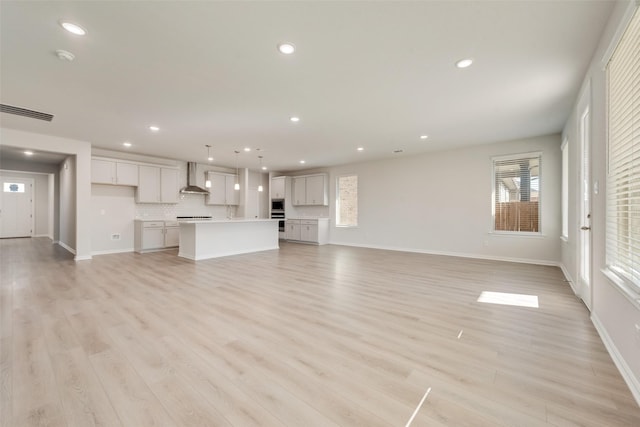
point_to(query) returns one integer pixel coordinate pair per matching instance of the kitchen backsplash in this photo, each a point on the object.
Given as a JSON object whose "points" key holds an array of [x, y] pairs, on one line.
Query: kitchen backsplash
{"points": [[189, 205]]}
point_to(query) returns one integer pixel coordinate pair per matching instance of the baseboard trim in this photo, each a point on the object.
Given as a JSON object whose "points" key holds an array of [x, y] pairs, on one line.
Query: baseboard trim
{"points": [[621, 364], [567, 276], [82, 257], [112, 251], [452, 254], [67, 247]]}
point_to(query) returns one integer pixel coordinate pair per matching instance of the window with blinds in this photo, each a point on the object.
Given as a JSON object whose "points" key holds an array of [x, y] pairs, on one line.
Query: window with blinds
{"points": [[623, 179], [516, 194]]}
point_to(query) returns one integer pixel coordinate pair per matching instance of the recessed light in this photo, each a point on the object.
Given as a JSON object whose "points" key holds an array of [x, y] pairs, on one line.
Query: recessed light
{"points": [[295, 119], [210, 159], [73, 28], [424, 136], [28, 153], [464, 63], [126, 144], [247, 149], [154, 128], [360, 148], [302, 162], [264, 168], [286, 48]]}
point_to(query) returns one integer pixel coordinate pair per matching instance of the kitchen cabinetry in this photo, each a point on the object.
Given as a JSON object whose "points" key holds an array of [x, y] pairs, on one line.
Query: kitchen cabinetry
{"points": [[292, 229], [171, 234], [222, 191], [308, 230], [112, 172], [310, 190], [157, 185], [277, 187], [156, 235]]}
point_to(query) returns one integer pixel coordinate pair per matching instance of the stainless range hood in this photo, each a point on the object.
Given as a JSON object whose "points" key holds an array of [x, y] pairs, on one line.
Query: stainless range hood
{"points": [[191, 187]]}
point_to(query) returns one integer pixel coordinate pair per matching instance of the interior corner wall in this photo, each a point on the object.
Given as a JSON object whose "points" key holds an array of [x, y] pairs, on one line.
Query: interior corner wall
{"points": [[68, 203], [614, 314], [440, 202]]}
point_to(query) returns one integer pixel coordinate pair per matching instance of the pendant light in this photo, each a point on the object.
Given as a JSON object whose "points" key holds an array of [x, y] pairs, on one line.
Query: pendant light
{"points": [[260, 188], [237, 184], [207, 182]]}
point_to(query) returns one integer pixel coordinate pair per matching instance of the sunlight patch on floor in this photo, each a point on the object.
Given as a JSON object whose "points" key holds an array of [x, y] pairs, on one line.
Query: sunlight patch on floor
{"points": [[519, 300]]}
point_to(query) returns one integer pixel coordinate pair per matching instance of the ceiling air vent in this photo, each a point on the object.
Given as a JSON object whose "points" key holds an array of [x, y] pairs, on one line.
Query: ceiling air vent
{"points": [[25, 113]]}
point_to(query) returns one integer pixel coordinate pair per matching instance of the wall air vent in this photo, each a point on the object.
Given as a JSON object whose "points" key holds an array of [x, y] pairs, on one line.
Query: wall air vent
{"points": [[10, 109]]}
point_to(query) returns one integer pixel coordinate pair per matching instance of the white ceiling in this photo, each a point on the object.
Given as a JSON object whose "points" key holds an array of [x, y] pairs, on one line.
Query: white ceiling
{"points": [[371, 74]]}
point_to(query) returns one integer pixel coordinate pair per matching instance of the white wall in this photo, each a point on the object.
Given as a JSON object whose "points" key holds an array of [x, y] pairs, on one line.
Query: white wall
{"points": [[82, 180], [112, 212], [41, 200], [613, 313], [68, 204], [440, 202]]}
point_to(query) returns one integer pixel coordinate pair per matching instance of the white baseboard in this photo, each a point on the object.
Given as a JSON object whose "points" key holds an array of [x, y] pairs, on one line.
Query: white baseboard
{"points": [[82, 258], [67, 247], [453, 254], [40, 235], [112, 251], [567, 276], [621, 364]]}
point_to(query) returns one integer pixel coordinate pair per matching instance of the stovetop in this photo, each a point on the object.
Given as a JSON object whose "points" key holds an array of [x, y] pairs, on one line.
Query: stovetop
{"points": [[194, 217]]}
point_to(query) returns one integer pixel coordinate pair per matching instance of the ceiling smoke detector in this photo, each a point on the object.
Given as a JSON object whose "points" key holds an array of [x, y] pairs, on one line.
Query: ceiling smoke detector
{"points": [[65, 55]]}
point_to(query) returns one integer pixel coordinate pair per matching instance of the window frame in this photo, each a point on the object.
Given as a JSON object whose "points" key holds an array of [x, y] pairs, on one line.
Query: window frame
{"points": [[507, 157], [564, 197]]}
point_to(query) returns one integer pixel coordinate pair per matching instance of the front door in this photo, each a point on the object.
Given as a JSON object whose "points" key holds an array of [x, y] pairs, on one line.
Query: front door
{"points": [[584, 239], [16, 207]]}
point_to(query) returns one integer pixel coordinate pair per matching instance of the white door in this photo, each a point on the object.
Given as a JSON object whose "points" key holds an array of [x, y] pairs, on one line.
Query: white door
{"points": [[16, 207], [584, 239]]}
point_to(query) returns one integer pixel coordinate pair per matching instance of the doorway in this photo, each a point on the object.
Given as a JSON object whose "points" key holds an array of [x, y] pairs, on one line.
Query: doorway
{"points": [[16, 207]]}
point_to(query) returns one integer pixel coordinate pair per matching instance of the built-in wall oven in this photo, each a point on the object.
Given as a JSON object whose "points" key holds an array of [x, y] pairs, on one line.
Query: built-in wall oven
{"points": [[277, 212]]}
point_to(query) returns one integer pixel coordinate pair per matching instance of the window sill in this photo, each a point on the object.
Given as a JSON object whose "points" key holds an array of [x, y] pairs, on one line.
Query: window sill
{"points": [[631, 293], [346, 226], [525, 234]]}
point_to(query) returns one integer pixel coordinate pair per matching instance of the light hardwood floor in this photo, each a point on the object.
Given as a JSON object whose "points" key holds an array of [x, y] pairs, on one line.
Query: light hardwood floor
{"points": [[303, 336]]}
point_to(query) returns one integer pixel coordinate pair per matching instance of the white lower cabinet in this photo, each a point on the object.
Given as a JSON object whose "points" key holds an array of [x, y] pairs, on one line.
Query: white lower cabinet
{"points": [[308, 230], [292, 229], [156, 235]]}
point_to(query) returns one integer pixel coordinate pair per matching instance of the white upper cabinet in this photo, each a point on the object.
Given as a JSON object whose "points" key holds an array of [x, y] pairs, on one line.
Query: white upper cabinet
{"points": [[113, 172], [157, 185], [317, 190], [277, 187], [310, 190], [299, 190], [168, 185], [126, 174], [221, 191]]}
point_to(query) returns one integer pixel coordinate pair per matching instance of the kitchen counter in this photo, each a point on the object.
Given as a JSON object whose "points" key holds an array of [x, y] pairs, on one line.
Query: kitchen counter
{"points": [[213, 238]]}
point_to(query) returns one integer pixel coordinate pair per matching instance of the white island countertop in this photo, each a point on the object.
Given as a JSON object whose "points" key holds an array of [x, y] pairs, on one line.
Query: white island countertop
{"points": [[213, 238]]}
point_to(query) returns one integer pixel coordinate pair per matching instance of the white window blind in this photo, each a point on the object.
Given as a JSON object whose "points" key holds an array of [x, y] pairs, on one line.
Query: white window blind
{"points": [[516, 189], [623, 180]]}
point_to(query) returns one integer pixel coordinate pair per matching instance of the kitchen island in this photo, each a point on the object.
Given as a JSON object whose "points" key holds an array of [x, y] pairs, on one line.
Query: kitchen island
{"points": [[203, 239]]}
